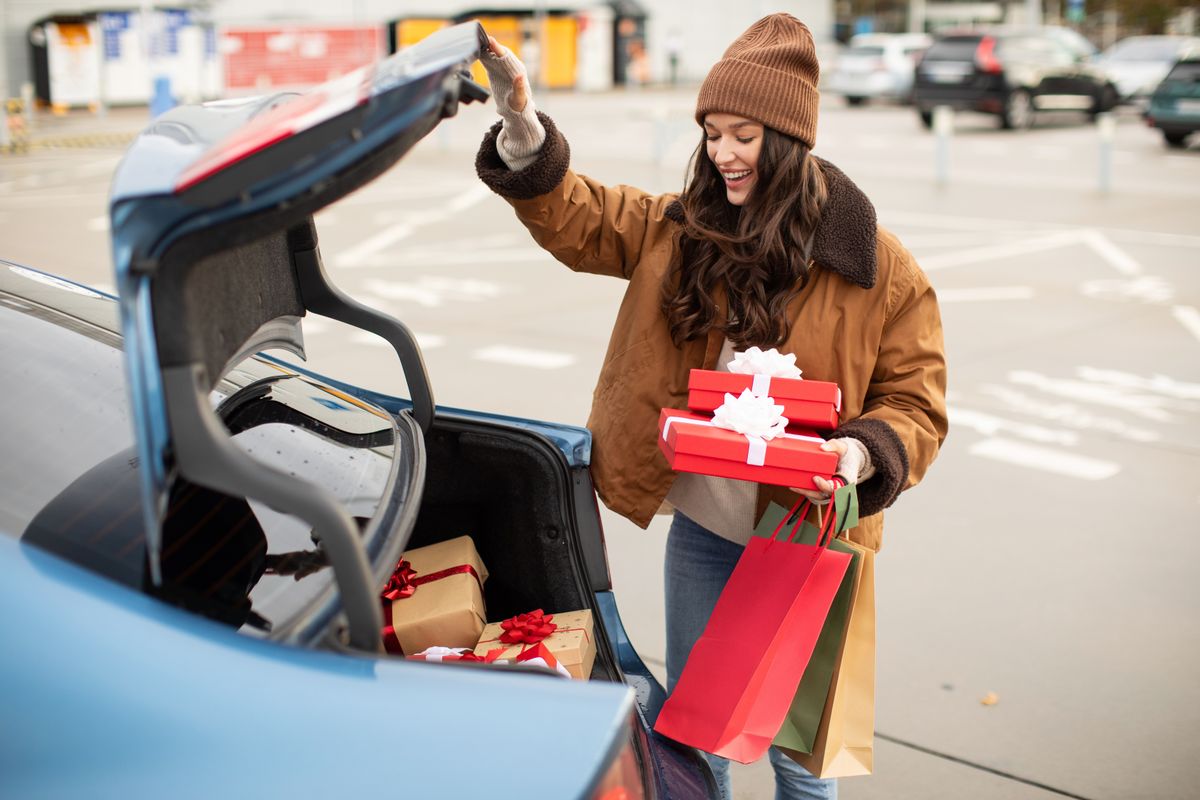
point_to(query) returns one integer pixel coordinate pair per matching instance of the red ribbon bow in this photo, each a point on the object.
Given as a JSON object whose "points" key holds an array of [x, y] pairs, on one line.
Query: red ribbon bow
{"points": [[528, 629], [401, 583]]}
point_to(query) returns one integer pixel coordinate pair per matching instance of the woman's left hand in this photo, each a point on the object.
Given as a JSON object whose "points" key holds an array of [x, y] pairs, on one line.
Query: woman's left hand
{"points": [[854, 465]]}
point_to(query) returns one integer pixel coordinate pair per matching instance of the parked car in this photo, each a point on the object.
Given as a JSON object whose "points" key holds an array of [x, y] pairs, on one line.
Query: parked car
{"points": [[1137, 64], [877, 66], [1009, 74], [194, 538], [1175, 105], [1079, 45]]}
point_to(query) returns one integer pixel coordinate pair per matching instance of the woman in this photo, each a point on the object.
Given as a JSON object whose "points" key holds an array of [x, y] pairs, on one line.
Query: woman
{"points": [[767, 245]]}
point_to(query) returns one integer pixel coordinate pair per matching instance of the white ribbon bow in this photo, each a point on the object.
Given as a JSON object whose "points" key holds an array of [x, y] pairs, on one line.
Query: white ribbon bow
{"points": [[751, 414], [437, 653], [764, 365], [757, 454]]}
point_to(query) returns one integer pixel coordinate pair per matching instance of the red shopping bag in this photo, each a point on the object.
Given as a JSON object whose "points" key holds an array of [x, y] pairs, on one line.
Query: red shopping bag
{"points": [[740, 678]]}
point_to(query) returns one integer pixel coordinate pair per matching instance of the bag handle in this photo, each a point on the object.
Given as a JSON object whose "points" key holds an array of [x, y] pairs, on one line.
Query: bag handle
{"points": [[827, 523]]}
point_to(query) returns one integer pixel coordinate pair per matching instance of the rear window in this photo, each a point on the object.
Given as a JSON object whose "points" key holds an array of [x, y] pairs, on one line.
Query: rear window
{"points": [[956, 48], [1144, 50], [1185, 72], [63, 407]]}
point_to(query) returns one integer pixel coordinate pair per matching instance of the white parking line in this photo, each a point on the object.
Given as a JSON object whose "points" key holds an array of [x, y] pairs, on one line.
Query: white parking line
{"points": [[1143, 288], [522, 357], [356, 256], [1114, 255], [1189, 318], [1045, 459], [984, 294], [977, 255]]}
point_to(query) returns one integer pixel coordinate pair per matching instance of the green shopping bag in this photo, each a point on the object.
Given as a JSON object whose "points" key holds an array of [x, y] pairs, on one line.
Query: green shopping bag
{"points": [[799, 729]]}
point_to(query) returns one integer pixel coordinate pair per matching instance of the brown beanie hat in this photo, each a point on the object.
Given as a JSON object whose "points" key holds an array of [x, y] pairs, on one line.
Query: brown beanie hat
{"points": [[770, 75]]}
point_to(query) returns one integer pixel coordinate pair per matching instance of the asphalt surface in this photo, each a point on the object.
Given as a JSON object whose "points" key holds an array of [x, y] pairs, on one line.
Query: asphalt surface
{"points": [[1047, 561]]}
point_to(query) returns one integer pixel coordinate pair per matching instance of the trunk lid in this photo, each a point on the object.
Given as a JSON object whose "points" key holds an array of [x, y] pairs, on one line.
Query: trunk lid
{"points": [[216, 257]]}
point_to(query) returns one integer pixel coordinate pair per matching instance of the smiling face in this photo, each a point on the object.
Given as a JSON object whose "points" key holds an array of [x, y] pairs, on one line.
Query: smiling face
{"points": [[733, 146]]}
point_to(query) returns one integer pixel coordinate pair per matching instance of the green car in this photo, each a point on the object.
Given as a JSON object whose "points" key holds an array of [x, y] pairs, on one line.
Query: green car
{"points": [[1175, 104]]}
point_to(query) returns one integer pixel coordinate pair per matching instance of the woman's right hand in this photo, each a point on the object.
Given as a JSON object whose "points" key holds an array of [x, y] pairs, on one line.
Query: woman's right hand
{"points": [[519, 91], [522, 134]]}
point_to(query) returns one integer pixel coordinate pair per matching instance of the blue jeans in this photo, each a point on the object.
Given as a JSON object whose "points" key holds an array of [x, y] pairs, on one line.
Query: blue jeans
{"points": [[698, 564]]}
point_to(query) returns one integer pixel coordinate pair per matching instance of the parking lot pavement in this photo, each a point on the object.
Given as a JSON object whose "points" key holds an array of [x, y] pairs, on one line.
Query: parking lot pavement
{"points": [[1045, 561]]}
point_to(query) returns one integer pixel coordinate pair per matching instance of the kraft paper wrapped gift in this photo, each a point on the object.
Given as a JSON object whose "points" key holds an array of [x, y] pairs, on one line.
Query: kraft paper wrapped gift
{"points": [[807, 404], [693, 443], [568, 636], [435, 597]]}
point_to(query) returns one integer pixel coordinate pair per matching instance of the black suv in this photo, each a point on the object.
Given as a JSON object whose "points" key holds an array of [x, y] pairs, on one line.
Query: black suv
{"points": [[1010, 74]]}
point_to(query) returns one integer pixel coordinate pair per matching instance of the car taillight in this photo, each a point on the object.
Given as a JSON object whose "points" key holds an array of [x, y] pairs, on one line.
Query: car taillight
{"points": [[623, 779], [985, 56]]}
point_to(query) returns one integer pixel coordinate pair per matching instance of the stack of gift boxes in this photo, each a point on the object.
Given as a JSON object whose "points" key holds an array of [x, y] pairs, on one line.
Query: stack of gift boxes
{"points": [[433, 608], [758, 422]]}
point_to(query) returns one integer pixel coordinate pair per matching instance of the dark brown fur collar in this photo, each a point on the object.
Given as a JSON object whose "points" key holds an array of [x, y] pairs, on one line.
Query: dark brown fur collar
{"points": [[845, 242]]}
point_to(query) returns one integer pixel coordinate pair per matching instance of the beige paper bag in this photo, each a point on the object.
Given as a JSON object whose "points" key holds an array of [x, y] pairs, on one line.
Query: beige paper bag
{"points": [[844, 745]]}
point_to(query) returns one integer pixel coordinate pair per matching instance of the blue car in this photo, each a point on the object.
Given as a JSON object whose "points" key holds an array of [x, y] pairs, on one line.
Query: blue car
{"points": [[194, 536]]}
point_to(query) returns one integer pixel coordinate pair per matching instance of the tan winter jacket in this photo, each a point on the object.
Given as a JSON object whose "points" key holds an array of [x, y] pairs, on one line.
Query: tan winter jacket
{"points": [[867, 319]]}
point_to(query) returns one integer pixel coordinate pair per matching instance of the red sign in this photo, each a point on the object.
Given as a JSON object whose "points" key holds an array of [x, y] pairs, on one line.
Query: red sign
{"points": [[261, 59]]}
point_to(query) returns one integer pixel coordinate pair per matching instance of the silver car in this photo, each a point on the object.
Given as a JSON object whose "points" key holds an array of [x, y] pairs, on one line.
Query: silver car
{"points": [[877, 65], [1137, 64]]}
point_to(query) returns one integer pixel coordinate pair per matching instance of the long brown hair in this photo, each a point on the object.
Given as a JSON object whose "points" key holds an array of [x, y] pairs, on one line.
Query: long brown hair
{"points": [[759, 251]]}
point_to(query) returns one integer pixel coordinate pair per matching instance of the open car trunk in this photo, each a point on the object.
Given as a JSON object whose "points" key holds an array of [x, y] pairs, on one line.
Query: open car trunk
{"points": [[217, 257], [533, 519]]}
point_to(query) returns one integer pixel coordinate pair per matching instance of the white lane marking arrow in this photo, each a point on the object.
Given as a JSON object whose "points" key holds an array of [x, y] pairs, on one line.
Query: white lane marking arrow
{"points": [[1189, 318], [1114, 255], [1160, 384], [1045, 459], [990, 425], [1142, 404]]}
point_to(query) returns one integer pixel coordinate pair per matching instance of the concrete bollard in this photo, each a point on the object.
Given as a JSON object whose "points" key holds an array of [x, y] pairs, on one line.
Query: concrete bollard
{"points": [[5, 137], [943, 129], [1106, 127], [27, 105]]}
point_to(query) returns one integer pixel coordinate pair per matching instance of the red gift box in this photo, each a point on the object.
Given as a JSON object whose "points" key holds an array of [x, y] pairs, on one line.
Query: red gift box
{"points": [[812, 404], [692, 443]]}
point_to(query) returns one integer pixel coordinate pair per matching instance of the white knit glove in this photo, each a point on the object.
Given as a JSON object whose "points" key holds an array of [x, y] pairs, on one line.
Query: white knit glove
{"points": [[854, 464], [522, 135]]}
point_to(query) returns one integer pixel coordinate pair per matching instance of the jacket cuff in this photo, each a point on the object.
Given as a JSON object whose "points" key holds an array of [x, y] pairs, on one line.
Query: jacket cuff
{"points": [[534, 180], [889, 458]]}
